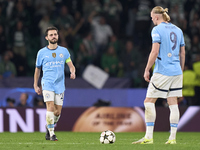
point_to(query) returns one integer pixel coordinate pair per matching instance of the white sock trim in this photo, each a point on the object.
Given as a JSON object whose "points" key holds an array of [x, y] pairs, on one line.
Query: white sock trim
{"points": [[50, 122], [174, 119], [174, 114], [56, 118], [150, 116], [150, 112]]}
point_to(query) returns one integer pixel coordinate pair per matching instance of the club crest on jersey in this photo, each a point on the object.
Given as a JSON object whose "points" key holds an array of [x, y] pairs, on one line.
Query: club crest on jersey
{"points": [[169, 55], [54, 55], [61, 55]]}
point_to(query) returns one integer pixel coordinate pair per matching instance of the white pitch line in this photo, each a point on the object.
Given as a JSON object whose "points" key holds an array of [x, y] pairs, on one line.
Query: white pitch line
{"points": [[15, 143], [59, 143], [44, 143]]}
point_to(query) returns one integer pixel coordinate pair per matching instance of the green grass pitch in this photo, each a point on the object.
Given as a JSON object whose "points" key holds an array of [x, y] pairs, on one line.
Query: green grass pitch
{"points": [[90, 141]]}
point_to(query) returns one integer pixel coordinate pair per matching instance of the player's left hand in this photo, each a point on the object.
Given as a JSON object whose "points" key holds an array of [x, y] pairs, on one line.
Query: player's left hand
{"points": [[72, 76]]}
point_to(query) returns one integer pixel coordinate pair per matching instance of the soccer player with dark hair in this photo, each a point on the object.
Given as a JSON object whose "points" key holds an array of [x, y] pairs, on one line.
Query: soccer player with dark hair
{"points": [[168, 54], [52, 59]]}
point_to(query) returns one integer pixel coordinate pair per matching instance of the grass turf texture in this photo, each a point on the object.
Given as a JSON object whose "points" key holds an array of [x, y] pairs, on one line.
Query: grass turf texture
{"points": [[90, 141]]}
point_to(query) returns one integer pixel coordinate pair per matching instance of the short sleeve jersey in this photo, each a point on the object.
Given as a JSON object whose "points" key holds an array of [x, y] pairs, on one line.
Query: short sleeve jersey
{"points": [[170, 38], [53, 65]]}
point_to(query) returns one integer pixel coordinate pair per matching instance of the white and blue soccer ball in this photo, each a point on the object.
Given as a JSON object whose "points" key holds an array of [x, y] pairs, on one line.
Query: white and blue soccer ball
{"points": [[107, 137]]}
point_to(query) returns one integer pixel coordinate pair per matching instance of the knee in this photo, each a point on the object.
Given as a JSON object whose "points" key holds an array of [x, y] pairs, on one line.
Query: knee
{"points": [[146, 101], [57, 113], [150, 100], [50, 106]]}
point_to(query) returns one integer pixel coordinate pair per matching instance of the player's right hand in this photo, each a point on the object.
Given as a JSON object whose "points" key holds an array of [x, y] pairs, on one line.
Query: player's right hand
{"points": [[38, 90], [146, 76]]}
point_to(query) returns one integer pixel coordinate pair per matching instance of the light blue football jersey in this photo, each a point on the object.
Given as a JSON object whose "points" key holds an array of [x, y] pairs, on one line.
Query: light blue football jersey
{"points": [[171, 39], [53, 65]]}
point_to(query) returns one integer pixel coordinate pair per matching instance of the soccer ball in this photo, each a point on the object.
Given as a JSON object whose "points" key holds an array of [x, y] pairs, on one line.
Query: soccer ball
{"points": [[107, 137]]}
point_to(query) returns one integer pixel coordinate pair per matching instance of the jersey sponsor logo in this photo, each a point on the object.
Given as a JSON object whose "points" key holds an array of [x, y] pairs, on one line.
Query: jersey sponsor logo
{"points": [[54, 55], [61, 55], [47, 56], [51, 63]]}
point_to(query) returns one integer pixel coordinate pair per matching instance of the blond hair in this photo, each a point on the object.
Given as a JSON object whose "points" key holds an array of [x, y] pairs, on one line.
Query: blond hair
{"points": [[160, 10]]}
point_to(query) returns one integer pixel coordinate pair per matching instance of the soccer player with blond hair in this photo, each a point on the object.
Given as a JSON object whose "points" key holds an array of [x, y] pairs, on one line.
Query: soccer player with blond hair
{"points": [[168, 54]]}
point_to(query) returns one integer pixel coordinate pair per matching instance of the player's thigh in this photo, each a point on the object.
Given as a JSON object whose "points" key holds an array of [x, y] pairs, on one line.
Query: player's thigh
{"points": [[158, 86], [48, 95], [59, 99], [175, 89]]}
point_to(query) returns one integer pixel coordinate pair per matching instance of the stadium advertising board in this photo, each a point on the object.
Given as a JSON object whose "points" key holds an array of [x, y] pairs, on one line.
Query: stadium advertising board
{"points": [[95, 119]]}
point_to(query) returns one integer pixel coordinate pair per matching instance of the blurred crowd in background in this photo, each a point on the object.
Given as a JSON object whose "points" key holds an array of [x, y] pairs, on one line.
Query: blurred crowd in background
{"points": [[114, 35], [24, 101]]}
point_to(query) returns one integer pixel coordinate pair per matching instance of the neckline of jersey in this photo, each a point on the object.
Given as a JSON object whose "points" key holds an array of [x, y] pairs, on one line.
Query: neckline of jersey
{"points": [[51, 49], [166, 23]]}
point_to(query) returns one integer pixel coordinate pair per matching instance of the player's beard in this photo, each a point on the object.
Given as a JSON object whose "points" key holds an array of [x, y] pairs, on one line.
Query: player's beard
{"points": [[53, 41]]}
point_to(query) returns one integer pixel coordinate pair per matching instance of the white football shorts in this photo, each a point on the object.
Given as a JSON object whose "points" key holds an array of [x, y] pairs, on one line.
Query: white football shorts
{"points": [[162, 86], [52, 96]]}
